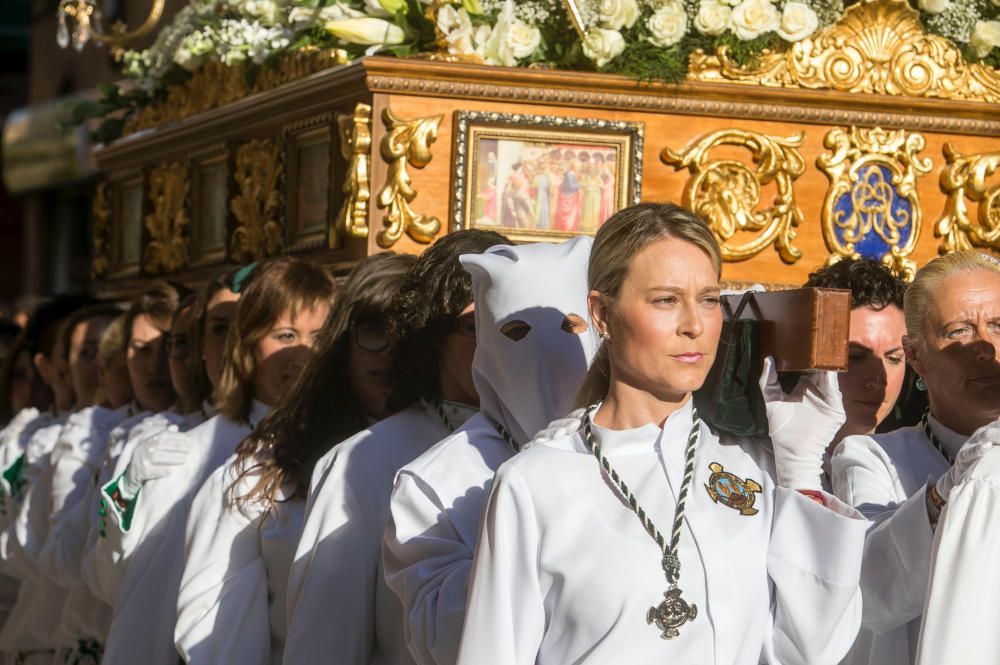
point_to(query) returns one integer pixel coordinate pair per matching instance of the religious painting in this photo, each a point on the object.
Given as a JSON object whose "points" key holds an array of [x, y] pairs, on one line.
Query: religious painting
{"points": [[536, 177]]}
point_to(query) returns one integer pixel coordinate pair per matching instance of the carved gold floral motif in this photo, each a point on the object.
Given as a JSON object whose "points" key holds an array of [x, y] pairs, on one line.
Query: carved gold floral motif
{"points": [[967, 177], [727, 192], [215, 84], [167, 250], [101, 209], [406, 142], [257, 206], [878, 46], [872, 207], [355, 145]]}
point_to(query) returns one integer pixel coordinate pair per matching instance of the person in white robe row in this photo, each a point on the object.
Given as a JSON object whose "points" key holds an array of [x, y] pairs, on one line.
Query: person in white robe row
{"points": [[644, 536], [433, 338], [533, 348], [902, 479], [247, 517], [149, 527]]}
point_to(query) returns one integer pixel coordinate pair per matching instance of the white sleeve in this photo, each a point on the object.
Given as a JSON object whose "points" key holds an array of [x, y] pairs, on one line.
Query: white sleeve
{"points": [[814, 563], [426, 564], [222, 606], [898, 545], [22, 539], [505, 619], [962, 613], [73, 475], [339, 549]]}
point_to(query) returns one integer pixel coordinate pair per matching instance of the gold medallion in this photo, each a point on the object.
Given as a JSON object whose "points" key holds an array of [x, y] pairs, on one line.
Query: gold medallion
{"points": [[732, 491]]}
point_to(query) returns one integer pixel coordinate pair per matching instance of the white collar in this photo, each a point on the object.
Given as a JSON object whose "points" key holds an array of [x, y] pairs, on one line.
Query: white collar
{"points": [[949, 438], [645, 438]]}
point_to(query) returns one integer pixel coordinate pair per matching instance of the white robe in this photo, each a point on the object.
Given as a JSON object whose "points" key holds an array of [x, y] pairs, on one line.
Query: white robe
{"points": [[885, 477], [346, 514], [145, 606], [565, 572], [962, 614], [523, 385], [231, 604]]}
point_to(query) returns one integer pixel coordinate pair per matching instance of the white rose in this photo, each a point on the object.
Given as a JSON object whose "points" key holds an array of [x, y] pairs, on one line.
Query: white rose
{"points": [[617, 14], [935, 6], [752, 18], [985, 37], [602, 46], [798, 21], [520, 41], [712, 18], [668, 24]]}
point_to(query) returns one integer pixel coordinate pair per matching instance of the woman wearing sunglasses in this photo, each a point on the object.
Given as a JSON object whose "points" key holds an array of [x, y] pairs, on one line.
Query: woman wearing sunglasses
{"points": [[433, 329], [246, 519]]}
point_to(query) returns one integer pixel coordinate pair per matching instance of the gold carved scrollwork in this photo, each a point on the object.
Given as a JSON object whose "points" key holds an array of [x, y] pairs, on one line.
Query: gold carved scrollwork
{"points": [[406, 142], [727, 192], [167, 250], [355, 145], [873, 175], [257, 206], [966, 177], [878, 46], [101, 209]]}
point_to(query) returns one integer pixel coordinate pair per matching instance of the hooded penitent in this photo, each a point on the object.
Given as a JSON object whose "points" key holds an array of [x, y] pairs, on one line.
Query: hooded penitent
{"points": [[532, 350]]}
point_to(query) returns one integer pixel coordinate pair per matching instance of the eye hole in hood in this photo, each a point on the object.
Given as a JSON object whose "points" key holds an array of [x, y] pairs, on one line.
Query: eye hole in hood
{"points": [[516, 330], [574, 324]]}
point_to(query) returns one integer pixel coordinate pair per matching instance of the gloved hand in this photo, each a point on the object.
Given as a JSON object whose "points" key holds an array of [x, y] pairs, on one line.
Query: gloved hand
{"points": [[801, 424], [155, 456], [973, 450]]}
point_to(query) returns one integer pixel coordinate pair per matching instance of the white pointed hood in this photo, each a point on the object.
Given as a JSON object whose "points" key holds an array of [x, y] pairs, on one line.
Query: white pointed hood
{"points": [[523, 384]]}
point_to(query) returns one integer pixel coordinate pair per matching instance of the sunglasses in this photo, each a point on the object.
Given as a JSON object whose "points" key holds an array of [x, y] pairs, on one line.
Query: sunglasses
{"points": [[371, 336]]}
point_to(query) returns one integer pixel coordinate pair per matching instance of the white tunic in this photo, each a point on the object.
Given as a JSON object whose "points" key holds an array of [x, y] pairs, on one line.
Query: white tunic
{"points": [[145, 607], [885, 477], [231, 604], [565, 573], [962, 613], [346, 514]]}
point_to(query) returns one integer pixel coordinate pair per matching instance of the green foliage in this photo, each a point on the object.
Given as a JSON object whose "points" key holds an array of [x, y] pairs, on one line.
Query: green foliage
{"points": [[647, 62], [746, 54]]}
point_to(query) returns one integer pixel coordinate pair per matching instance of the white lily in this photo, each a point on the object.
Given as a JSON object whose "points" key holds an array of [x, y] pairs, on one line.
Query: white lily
{"points": [[368, 30]]}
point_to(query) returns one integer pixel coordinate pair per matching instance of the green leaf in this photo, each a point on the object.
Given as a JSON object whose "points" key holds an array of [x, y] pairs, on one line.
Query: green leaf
{"points": [[109, 130]]}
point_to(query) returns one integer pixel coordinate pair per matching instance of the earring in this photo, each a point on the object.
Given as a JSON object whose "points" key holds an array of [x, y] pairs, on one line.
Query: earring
{"points": [[921, 384], [604, 335]]}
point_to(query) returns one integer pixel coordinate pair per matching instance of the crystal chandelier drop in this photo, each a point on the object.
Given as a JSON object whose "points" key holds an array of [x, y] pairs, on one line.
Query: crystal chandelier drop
{"points": [[80, 22]]}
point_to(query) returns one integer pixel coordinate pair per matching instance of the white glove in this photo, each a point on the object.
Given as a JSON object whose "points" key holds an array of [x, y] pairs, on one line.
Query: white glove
{"points": [[561, 427], [802, 424], [155, 456], [973, 450]]}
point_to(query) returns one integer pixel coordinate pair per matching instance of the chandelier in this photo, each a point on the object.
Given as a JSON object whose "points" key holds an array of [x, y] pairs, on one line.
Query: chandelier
{"points": [[81, 22]]}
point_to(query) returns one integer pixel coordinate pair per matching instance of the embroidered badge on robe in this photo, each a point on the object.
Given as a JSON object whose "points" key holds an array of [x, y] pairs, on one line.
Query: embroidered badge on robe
{"points": [[732, 491]]}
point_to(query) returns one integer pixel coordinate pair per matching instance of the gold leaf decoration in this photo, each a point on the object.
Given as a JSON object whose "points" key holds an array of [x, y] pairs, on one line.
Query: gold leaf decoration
{"points": [[877, 47], [215, 84], [727, 192], [257, 206], [355, 145], [871, 207], [967, 177], [101, 209], [407, 142], [167, 250]]}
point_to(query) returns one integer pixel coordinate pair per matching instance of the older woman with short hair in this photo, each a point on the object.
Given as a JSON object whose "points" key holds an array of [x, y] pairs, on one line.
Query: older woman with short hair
{"points": [[952, 312]]}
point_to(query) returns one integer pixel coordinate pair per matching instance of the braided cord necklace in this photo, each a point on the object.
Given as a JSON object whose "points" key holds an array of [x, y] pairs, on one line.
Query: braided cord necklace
{"points": [[673, 612], [501, 430], [932, 437], [443, 415]]}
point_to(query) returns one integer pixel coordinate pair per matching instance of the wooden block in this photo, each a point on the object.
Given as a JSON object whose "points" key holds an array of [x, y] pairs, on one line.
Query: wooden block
{"points": [[804, 329]]}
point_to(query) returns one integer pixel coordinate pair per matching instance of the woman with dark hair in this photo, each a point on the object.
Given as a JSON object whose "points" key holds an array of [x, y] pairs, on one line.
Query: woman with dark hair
{"points": [[247, 517], [433, 330], [643, 537], [140, 556]]}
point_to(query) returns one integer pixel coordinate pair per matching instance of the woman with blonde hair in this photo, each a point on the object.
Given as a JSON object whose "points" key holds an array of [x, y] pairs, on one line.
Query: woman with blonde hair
{"points": [[952, 312], [247, 518], [283, 306], [645, 536]]}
